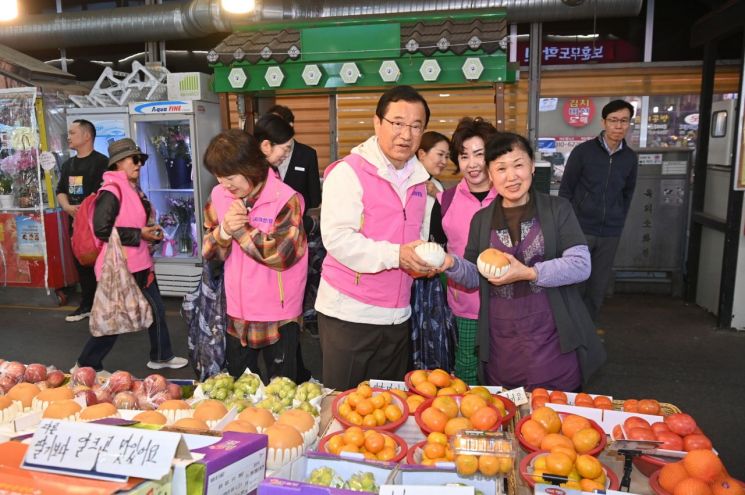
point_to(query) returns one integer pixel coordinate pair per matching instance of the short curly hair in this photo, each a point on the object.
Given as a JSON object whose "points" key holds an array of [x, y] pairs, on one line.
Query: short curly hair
{"points": [[468, 128]]}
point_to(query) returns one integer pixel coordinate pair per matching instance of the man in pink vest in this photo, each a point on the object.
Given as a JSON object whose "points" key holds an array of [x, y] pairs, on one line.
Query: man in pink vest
{"points": [[372, 216]]}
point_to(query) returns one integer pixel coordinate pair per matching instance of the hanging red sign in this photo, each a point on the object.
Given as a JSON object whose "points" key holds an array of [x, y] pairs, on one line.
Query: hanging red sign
{"points": [[578, 112]]}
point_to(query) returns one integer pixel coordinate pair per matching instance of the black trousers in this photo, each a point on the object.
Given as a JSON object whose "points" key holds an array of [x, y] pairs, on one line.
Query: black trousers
{"points": [[602, 254], [87, 279], [280, 358], [355, 352]]}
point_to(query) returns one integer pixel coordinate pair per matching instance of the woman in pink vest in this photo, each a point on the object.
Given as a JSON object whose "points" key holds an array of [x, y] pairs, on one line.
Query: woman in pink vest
{"points": [[254, 223], [122, 204], [459, 205]]}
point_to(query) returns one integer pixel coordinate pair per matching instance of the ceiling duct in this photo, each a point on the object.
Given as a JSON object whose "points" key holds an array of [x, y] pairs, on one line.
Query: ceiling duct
{"points": [[199, 18]]}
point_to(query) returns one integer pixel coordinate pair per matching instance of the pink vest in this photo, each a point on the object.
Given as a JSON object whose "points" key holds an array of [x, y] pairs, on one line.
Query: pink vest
{"points": [[131, 214], [456, 223], [255, 292], [383, 219]]}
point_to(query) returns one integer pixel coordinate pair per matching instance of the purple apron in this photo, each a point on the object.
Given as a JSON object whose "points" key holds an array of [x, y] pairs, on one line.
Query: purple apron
{"points": [[524, 345]]}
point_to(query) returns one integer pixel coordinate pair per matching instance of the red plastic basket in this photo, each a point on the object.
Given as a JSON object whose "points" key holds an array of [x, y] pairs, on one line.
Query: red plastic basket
{"points": [[529, 448], [526, 466], [427, 403], [407, 380], [401, 447], [654, 484], [392, 426]]}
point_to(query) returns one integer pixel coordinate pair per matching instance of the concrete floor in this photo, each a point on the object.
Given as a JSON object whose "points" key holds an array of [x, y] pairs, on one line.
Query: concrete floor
{"points": [[658, 347]]}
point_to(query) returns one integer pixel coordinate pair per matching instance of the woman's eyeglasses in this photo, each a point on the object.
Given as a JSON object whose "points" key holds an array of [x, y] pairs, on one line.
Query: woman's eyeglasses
{"points": [[138, 160]]}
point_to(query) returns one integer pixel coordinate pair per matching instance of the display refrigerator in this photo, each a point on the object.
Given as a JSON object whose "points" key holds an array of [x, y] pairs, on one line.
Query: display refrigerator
{"points": [[175, 135]]}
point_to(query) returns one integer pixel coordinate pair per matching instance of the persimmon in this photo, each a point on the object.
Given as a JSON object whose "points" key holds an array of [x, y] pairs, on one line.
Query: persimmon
{"points": [[533, 432], [374, 442], [631, 405], [439, 378], [437, 437], [483, 393], [602, 402], [378, 401], [392, 412], [583, 400], [671, 474], [572, 424], [434, 419], [418, 377], [471, 403], [354, 436], [466, 465], [454, 425], [539, 392], [538, 401], [588, 466], [555, 440], [446, 391], [446, 405], [558, 463], [434, 450], [692, 486], [386, 454], [590, 485], [380, 417], [369, 420], [489, 465], [334, 445], [649, 406], [548, 418], [426, 388], [414, 401], [703, 464], [586, 440], [565, 449], [459, 386], [558, 397], [727, 486], [485, 418]]}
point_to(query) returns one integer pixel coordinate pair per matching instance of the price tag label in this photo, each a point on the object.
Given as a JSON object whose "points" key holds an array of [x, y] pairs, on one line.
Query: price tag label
{"points": [[516, 395], [426, 490], [103, 452], [389, 385]]}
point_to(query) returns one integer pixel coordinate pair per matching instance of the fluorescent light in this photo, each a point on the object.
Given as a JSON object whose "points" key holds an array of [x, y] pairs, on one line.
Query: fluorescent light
{"points": [[444, 95], [238, 6], [8, 10]]}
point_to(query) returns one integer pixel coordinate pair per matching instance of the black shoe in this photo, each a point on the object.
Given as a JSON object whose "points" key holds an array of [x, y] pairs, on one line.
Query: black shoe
{"points": [[79, 314]]}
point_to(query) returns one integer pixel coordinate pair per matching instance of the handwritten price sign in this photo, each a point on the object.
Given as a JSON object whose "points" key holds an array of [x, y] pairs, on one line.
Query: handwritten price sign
{"points": [[103, 452]]}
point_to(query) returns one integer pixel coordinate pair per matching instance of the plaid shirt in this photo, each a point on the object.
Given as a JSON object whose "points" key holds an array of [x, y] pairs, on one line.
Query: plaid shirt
{"points": [[280, 248]]}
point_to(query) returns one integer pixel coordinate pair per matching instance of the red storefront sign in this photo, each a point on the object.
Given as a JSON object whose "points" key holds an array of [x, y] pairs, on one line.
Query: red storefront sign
{"points": [[578, 52], [578, 112]]}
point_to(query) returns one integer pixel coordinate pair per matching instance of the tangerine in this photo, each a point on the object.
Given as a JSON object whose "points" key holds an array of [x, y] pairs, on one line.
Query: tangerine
{"points": [[558, 463], [344, 409], [348, 447], [459, 386], [585, 440], [417, 377], [374, 442], [471, 403], [414, 401], [364, 390], [692, 486], [354, 418], [434, 419], [446, 405], [505, 464], [440, 378], [426, 388], [335, 443], [489, 465], [380, 418], [572, 424], [401, 393], [533, 432], [389, 442], [555, 440], [392, 412], [386, 454], [364, 407], [588, 466], [369, 421], [353, 399], [702, 464], [485, 418], [548, 418], [434, 450], [354, 436], [387, 397], [437, 437], [378, 401], [466, 465], [455, 425], [671, 474]]}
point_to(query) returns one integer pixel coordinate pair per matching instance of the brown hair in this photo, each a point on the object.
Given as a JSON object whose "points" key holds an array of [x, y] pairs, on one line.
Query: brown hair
{"points": [[234, 152], [430, 139], [468, 128]]}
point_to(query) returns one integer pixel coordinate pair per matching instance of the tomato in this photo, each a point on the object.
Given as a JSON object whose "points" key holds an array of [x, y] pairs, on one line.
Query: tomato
{"points": [[636, 422], [649, 406], [659, 426], [631, 405], [641, 434], [680, 423], [696, 441], [670, 441]]}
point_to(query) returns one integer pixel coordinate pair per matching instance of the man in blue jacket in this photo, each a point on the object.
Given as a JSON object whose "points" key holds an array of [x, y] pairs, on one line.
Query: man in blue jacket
{"points": [[599, 180]]}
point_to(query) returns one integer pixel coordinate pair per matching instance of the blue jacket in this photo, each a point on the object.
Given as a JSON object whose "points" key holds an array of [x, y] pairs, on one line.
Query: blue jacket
{"points": [[600, 186]]}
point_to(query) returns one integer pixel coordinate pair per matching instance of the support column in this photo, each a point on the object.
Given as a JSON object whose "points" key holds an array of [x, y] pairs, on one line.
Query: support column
{"points": [[534, 81]]}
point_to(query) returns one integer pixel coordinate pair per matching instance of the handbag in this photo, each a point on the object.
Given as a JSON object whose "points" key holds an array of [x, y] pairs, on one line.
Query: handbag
{"points": [[119, 305], [206, 317]]}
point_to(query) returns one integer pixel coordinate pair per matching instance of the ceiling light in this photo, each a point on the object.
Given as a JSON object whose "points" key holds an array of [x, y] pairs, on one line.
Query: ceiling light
{"points": [[238, 6], [8, 10]]}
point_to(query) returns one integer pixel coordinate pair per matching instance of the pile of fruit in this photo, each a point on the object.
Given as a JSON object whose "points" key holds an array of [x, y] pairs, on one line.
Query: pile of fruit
{"points": [[374, 445], [700, 472], [584, 472], [678, 432], [369, 408], [14, 372], [469, 459], [434, 383], [282, 393], [436, 449], [545, 429], [234, 393], [539, 397], [123, 390], [450, 415], [359, 482]]}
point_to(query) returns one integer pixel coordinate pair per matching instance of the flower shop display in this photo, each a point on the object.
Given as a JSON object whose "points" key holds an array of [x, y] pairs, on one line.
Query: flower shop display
{"points": [[173, 147]]}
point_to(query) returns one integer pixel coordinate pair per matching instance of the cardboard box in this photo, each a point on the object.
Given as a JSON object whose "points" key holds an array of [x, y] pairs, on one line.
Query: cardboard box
{"points": [[14, 480], [190, 86], [290, 480], [233, 464], [435, 476]]}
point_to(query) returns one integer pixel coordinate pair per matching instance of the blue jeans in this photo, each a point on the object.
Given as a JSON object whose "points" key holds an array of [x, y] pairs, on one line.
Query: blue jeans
{"points": [[97, 348]]}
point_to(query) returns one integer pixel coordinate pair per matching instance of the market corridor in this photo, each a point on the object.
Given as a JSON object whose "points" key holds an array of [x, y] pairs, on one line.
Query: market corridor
{"points": [[658, 347]]}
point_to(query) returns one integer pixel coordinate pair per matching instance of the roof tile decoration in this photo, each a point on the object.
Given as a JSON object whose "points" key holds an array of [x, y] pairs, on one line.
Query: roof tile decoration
{"points": [[427, 38]]}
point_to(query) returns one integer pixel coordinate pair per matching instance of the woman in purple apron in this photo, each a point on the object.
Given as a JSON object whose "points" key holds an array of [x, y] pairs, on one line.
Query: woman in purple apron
{"points": [[533, 329]]}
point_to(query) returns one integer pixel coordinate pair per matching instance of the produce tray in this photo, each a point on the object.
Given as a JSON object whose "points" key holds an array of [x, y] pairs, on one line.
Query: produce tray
{"points": [[666, 409]]}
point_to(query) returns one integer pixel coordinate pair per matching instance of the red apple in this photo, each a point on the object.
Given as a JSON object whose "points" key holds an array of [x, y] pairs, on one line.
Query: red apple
{"points": [[55, 378], [120, 381], [84, 376], [35, 373], [174, 391], [125, 400], [154, 383], [87, 394]]}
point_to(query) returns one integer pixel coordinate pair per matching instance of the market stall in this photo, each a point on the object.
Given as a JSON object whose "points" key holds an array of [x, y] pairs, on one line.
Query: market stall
{"points": [[428, 432]]}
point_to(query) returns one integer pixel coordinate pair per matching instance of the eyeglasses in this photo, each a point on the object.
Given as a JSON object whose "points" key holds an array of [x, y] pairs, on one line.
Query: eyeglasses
{"points": [[398, 127], [622, 122], [138, 160]]}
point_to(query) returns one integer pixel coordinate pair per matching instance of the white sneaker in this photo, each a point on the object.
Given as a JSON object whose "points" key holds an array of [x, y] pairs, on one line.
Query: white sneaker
{"points": [[174, 363]]}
